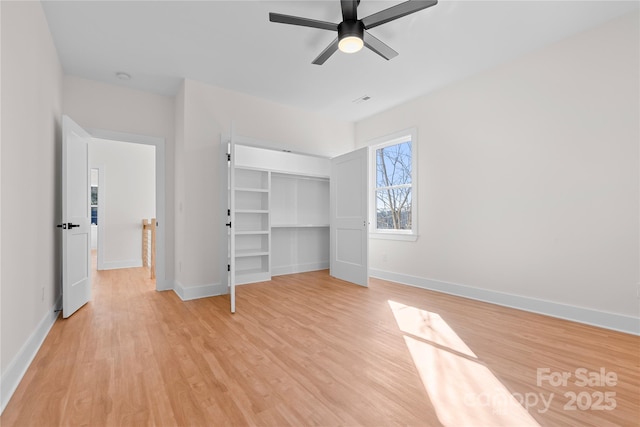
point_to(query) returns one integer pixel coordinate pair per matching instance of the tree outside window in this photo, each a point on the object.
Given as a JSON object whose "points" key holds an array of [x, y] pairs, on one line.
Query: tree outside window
{"points": [[393, 184], [393, 187]]}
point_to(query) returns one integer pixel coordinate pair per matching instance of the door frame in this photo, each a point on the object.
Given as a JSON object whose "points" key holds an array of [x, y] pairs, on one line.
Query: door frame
{"points": [[159, 143], [101, 188]]}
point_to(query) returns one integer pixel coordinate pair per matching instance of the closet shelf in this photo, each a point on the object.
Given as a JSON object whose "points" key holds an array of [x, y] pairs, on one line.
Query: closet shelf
{"points": [[252, 211], [252, 275], [299, 225], [253, 190], [251, 252], [242, 232]]}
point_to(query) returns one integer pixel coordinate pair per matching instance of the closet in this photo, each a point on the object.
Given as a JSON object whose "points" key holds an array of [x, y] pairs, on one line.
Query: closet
{"points": [[300, 223], [281, 207]]}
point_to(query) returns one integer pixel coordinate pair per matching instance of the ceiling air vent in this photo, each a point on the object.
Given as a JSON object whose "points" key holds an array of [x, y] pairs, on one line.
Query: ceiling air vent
{"points": [[361, 99]]}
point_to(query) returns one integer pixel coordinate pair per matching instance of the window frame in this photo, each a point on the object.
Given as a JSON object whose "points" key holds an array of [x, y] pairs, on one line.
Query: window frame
{"points": [[387, 141]]}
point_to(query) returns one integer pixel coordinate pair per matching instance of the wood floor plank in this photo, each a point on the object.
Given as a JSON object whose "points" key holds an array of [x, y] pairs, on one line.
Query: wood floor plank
{"points": [[310, 350]]}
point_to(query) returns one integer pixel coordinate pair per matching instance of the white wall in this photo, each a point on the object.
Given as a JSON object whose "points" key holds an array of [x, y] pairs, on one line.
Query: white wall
{"points": [[204, 113], [179, 168], [529, 178], [30, 177], [96, 105], [127, 190]]}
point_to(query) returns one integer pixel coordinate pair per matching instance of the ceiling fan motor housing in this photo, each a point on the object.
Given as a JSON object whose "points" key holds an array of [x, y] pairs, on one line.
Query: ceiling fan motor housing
{"points": [[351, 29]]}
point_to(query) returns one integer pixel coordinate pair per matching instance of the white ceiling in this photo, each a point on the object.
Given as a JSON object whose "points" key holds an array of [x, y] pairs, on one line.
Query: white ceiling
{"points": [[232, 44]]}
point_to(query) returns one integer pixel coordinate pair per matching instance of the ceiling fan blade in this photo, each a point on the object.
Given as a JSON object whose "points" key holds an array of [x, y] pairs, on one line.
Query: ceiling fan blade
{"points": [[330, 50], [304, 22], [378, 47], [395, 12], [349, 10]]}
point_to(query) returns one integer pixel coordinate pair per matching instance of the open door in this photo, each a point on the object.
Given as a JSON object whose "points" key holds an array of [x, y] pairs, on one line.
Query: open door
{"points": [[76, 230], [225, 226], [232, 222], [349, 203]]}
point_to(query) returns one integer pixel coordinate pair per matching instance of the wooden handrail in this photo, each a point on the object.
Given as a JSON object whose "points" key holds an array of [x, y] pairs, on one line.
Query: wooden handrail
{"points": [[149, 234]]}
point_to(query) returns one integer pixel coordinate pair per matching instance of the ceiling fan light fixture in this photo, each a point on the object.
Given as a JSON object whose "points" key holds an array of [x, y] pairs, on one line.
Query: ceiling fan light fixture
{"points": [[350, 44], [350, 34]]}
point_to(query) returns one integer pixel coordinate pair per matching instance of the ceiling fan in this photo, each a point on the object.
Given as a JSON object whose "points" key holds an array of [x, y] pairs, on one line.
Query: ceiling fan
{"points": [[352, 32]]}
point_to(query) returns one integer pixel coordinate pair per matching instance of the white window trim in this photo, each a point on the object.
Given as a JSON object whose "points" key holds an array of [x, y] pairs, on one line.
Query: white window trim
{"points": [[385, 141]]}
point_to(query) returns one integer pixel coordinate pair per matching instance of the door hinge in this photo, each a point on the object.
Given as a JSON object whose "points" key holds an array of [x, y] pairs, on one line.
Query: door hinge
{"points": [[228, 157], [228, 212], [228, 267]]}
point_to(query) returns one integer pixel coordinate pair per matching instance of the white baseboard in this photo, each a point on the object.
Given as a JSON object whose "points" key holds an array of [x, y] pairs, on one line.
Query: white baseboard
{"points": [[299, 268], [128, 263], [163, 284], [616, 322], [186, 293], [20, 363]]}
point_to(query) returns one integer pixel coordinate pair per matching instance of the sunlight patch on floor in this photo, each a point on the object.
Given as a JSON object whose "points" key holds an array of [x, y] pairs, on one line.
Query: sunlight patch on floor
{"points": [[428, 326], [462, 390]]}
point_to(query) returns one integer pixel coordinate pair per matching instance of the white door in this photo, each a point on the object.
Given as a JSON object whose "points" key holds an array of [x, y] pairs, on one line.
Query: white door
{"points": [[349, 231], [76, 230], [232, 222], [225, 203]]}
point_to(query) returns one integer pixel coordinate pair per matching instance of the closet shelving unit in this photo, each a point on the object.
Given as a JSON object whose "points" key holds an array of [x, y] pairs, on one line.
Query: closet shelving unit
{"points": [[288, 214], [280, 204], [252, 225]]}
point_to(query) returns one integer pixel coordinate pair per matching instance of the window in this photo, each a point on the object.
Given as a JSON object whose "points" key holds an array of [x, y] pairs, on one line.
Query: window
{"points": [[94, 205], [394, 186], [94, 196]]}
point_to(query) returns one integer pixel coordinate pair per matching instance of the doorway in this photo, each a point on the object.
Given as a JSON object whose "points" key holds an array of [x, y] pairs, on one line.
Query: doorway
{"points": [[106, 174], [124, 194]]}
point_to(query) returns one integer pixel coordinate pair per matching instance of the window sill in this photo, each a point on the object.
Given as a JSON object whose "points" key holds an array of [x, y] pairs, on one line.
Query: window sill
{"points": [[394, 236]]}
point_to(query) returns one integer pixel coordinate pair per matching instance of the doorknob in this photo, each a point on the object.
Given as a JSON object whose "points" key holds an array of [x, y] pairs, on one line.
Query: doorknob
{"points": [[63, 226], [70, 226]]}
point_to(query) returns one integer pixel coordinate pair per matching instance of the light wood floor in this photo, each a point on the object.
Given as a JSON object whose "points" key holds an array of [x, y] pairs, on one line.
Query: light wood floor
{"points": [[308, 350]]}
